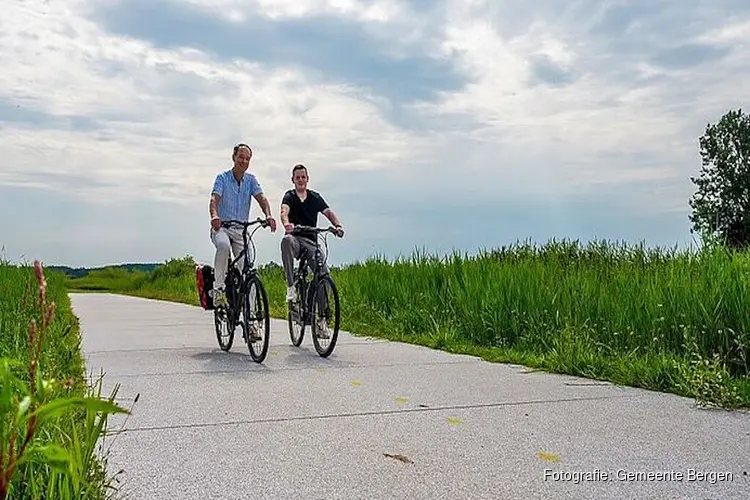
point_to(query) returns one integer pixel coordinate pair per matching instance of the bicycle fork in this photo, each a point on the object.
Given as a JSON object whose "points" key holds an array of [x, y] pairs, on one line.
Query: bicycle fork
{"points": [[301, 309]]}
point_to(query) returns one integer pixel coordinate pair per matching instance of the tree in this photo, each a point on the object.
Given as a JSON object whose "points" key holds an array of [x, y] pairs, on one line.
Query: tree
{"points": [[721, 204]]}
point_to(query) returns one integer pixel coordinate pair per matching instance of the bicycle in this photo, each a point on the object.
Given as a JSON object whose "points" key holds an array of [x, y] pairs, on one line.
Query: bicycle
{"points": [[237, 286], [308, 300]]}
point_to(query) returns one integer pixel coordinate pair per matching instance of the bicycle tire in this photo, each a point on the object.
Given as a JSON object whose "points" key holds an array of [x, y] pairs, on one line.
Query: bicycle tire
{"points": [[299, 304], [325, 280], [260, 357], [218, 325]]}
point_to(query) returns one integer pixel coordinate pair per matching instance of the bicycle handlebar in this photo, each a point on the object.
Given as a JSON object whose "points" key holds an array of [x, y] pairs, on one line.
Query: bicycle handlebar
{"points": [[313, 229], [262, 222]]}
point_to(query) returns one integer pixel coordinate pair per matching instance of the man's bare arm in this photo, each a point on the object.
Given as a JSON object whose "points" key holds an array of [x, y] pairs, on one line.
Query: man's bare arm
{"points": [[284, 214], [331, 216], [213, 206], [264, 204]]}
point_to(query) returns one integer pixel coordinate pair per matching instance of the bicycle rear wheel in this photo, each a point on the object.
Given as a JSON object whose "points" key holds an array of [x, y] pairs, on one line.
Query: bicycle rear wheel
{"points": [[327, 295], [258, 318]]}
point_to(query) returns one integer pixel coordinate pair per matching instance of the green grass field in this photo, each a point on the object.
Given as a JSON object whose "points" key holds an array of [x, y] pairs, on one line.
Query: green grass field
{"points": [[52, 418], [651, 318], [666, 321]]}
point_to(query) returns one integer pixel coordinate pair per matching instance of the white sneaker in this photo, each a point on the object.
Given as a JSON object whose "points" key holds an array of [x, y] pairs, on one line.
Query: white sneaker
{"points": [[254, 333], [290, 294], [219, 297], [322, 330]]}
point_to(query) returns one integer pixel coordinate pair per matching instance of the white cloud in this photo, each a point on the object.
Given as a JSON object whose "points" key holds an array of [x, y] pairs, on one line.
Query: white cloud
{"points": [[170, 117], [163, 121], [382, 10], [367, 11], [737, 32], [608, 110]]}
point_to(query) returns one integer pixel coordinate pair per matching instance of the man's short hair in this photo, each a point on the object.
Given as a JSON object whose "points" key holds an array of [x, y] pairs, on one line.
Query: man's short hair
{"points": [[242, 145], [299, 166]]}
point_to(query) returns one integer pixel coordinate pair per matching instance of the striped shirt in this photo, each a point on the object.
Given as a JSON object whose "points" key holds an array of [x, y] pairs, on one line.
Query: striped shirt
{"points": [[236, 197]]}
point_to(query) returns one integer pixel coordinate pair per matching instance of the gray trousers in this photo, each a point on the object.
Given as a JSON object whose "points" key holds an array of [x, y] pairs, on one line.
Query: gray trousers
{"points": [[291, 248]]}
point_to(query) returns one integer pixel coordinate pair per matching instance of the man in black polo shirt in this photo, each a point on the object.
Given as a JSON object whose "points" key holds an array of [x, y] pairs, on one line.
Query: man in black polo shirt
{"points": [[301, 206]]}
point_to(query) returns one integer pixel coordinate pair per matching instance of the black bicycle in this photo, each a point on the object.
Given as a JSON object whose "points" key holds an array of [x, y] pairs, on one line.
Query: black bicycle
{"points": [[238, 286], [312, 305]]}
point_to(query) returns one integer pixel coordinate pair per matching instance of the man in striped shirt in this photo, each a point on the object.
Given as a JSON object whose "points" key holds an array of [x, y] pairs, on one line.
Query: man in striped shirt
{"points": [[231, 199]]}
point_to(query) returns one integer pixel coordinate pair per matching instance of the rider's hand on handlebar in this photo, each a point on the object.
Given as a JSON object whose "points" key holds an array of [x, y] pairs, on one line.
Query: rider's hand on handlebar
{"points": [[339, 231], [216, 224], [272, 223], [289, 227]]}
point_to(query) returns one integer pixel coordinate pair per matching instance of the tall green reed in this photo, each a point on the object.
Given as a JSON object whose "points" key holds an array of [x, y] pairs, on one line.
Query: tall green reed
{"points": [[656, 318], [625, 298], [49, 425]]}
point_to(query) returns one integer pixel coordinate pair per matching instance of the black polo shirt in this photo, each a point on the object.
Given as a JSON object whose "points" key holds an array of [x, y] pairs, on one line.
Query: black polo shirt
{"points": [[304, 212]]}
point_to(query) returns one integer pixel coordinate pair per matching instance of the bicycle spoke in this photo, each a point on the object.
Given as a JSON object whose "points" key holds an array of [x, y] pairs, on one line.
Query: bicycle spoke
{"points": [[326, 316], [257, 320], [224, 329], [237, 311], [295, 315]]}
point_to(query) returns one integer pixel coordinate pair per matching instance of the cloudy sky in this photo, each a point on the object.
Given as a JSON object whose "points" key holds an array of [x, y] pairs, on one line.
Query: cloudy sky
{"points": [[442, 124]]}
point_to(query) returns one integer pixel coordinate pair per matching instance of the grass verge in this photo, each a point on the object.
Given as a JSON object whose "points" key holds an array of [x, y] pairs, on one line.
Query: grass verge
{"points": [[52, 423], [662, 320]]}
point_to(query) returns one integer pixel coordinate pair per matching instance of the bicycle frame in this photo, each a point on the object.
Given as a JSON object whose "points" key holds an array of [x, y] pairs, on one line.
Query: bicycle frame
{"points": [[237, 285], [302, 311], [318, 273], [245, 239], [248, 268], [318, 256]]}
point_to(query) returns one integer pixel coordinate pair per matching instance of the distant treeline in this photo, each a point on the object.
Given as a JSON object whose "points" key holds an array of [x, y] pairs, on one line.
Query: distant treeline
{"points": [[80, 272]]}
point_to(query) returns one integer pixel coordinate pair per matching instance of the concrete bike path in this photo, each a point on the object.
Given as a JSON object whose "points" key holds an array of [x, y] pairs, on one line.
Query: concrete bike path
{"points": [[382, 420]]}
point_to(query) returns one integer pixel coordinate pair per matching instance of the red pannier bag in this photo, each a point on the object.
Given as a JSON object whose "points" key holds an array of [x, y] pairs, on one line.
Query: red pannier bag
{"points": [[204, 280]]}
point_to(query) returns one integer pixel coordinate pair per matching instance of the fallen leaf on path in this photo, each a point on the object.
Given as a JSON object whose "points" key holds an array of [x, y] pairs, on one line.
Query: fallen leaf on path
{"points": [[401, 400], [455, 421], [549, 457], [355, 383], [401, 458]]}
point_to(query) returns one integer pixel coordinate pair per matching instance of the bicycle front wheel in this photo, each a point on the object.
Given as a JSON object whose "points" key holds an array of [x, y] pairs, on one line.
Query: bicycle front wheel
{"points": [[257, 320], [223, 322], [326, 316], [295, 315]]}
